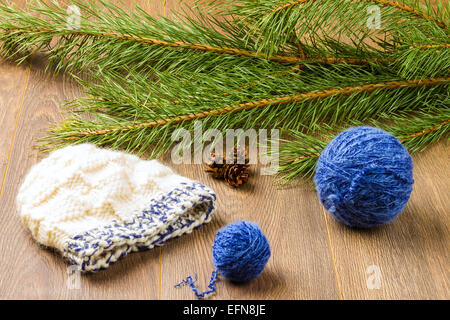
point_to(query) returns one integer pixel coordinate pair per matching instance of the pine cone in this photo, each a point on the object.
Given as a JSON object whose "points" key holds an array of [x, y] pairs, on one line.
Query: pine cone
{"points": [[240, 157], [217, 166], [236, 174]]}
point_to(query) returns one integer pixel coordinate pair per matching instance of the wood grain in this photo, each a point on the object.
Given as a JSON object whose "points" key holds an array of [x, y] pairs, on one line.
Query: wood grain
{"points": [[300, 266], [13, 83], [412, 253], [313, 257]]}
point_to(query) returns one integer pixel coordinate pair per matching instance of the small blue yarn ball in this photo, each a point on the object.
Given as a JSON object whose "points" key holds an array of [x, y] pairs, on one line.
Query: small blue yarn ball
{"points": [[364, 177], [240, 251]]}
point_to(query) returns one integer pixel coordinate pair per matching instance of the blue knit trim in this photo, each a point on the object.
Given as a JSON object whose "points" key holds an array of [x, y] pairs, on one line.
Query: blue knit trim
{"points": [[168, 215]]}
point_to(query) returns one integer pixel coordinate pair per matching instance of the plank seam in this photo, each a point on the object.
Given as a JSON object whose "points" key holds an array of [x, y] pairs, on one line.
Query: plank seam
{"points": [[332, 256], [19, 111], [160, 248], [160, 275]]}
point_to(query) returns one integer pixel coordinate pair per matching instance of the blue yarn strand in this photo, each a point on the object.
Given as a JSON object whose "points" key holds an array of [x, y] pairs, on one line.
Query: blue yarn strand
{"points": [[240, 253], [191, 282]]}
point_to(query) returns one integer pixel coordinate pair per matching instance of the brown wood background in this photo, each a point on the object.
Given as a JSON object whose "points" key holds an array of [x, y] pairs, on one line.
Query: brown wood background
{"points": [[313, 256]]}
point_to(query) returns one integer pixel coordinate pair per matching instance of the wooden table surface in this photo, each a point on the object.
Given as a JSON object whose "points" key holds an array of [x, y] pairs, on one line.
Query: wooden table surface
{"points": [[313, 256]]}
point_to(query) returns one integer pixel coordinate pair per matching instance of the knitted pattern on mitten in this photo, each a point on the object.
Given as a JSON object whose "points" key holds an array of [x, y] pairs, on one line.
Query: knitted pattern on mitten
{"points": [[96, 205]]}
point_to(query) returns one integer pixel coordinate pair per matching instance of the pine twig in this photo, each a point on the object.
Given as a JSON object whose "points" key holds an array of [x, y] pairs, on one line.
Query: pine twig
{"points": [[431, 46], [411, 136], [301, 52], [268, 102], [207, 48], [384, 2], [414, 132], [288, 5], [426, 131], [411, 10]]}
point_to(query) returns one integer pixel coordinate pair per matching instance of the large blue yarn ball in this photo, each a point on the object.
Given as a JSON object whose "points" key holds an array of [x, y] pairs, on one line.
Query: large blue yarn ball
{"points": [[240, 251], [364, 177]]}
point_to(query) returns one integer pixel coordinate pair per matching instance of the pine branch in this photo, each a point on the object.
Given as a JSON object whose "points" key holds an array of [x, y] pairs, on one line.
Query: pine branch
{"points": [[306, 67], [423, 62], [299, 154], [412, 10], [267, 103], [425, 131], [432, 46], [180, 44], [133, 38], [273, 27], [389, 3], [288, 5], [137, 98], [121, 118], [407, 138], [199, 47]]}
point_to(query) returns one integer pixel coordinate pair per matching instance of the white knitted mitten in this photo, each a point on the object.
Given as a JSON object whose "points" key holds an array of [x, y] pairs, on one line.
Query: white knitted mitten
{"points": [[96, 205]]}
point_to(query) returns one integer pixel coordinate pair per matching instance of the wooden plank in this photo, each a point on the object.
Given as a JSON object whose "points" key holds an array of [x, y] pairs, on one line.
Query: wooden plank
{"points": [[39, 273], [300, 266], [412, 253], [290, 219], [13, 82], [309, 249]]}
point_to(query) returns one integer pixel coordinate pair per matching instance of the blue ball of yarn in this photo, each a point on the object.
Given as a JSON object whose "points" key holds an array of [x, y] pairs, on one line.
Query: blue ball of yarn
{"points": [[364, 177], [240, 251]]}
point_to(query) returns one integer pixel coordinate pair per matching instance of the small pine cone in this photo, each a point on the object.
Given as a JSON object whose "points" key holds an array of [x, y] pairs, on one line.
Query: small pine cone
{"points": [[216, 170], [216, 167], [240, 157], [236, 174]]}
